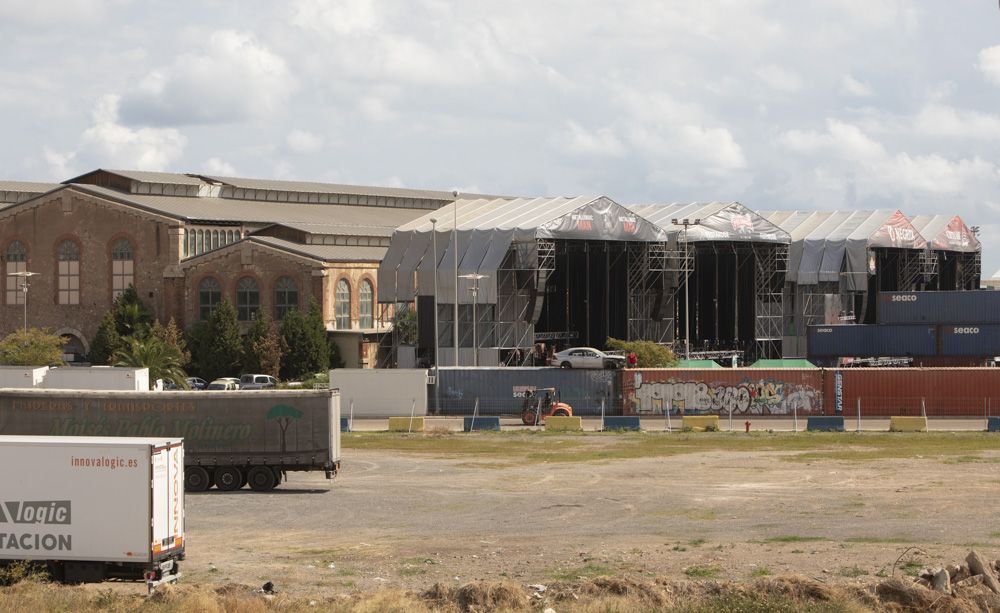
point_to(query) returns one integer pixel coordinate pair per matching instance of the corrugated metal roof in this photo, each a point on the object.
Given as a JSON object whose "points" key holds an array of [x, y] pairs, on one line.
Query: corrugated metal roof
{"points": [[332, 188], [30, 187], [325, 253], [380, 220], [341, 229], [146, 176]]}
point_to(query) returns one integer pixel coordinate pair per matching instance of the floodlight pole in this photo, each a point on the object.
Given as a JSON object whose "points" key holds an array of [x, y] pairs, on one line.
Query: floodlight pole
{"points": [[24, 289], [454, 234], [434, 248], [474, 277], [687, 304]]}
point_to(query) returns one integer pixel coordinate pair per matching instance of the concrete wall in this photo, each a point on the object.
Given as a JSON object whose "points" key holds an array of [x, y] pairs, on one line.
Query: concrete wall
{"points": [[381, 392], [97, 378], [22, 376]]}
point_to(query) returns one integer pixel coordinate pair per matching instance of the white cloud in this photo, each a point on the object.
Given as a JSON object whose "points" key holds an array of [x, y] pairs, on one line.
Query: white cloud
{"points": [[35, 13], [301, 141], [779, 78], [600, 142], [852, 87], [946, 121], [342, 18], [218, 167], [111, 144], [846, 154], [233, 78], [989, 63], [375, 109]]}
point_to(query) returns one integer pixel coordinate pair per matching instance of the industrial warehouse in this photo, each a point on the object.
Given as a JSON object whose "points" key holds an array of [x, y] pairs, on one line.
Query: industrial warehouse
{"points": [[715, 280]]}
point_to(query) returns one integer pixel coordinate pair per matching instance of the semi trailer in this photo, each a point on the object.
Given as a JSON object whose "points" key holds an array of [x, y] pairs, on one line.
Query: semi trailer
{"points": [[232, 439], [94, 508]]}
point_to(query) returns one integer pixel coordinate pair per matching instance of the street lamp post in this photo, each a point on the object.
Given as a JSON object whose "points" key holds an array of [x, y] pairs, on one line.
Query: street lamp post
{"points": [[454, 235], [434, 248], [24, 289], [687, 305], [474, 277]]}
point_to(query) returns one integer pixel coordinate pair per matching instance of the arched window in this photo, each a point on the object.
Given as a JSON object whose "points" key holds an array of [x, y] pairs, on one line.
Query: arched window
{"points": [[122, 267], [201, 242], [69, 272], [230, 237], [247, 298], [188, 243], [16, 261], [366, 305], [342, 305], [209, 295], [215, 239], [286, 297]]}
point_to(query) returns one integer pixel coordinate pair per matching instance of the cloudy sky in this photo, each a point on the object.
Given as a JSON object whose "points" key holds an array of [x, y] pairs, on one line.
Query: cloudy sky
{"points": [[777, 104]]}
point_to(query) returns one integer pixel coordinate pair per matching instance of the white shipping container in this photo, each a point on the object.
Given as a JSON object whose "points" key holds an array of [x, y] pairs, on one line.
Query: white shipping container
{"points": [[94, 507], [22, 376], [97, 378]]}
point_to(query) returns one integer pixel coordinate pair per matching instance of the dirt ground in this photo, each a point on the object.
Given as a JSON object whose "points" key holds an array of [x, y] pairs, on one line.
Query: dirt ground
{"points": [[396, 519]]}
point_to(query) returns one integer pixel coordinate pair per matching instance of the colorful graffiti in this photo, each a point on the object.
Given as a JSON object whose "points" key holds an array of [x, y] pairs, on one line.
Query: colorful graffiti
{"points": [[763, 396]]}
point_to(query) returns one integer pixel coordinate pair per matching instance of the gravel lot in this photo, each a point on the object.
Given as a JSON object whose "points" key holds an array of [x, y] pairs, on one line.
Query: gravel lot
{"points": [[408, 520]]}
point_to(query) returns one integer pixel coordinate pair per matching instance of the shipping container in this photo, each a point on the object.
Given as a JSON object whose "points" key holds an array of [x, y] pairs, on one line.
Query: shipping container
{"points": [[97, 378], [742, 391], [232, 438], [975, 306], [377, 392], [501, 391], [22, 376], [936, 392], [94, 508], [863, 341], [975, 340]]}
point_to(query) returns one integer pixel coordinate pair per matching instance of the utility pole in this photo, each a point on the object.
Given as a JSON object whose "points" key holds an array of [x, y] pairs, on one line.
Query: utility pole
{"points": [[687, 304]]}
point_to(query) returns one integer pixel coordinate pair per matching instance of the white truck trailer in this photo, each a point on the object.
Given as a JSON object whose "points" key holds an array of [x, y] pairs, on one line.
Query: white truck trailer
{"points": [[94, 508]]}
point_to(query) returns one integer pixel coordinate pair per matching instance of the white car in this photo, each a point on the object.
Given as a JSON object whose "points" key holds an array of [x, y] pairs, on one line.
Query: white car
{"points": [[587, 357], [258, 382], [225, 384]]}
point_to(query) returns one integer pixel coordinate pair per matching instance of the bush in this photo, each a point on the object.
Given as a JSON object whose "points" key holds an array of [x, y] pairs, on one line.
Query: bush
{"points": [[216, 344], [305, 336], [31, 347], [648, 354]]}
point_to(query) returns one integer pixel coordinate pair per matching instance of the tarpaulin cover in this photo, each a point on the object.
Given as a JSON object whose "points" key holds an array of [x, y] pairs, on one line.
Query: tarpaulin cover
{"points": [[946, 233], [486, 229], [717, 221]]}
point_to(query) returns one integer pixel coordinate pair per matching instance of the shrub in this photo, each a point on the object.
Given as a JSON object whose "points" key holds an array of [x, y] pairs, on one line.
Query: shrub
{"points": [[648, 354]]}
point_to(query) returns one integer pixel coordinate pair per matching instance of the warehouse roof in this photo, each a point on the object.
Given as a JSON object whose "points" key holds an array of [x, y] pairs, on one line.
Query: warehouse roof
{"points": [[353, 219], [325, 253], [142, 176], [717, 221], [330, 188], [12, 192], [487, 228]]}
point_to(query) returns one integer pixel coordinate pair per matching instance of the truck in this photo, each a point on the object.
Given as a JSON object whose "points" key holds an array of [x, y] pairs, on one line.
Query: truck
{"points": [[232, 439], [94, 508]]}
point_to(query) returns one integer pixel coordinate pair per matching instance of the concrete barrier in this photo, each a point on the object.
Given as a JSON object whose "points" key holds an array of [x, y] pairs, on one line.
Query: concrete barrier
{"points": [[563, 423], [621, 422], [901, 423], [481, 424], [993, 424], [700, 423], [345, 424], [825, 424], [406, 424]]}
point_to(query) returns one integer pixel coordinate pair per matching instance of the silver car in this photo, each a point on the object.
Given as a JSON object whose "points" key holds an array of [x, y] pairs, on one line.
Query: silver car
{"points": [[258, 382], [587, 357]]}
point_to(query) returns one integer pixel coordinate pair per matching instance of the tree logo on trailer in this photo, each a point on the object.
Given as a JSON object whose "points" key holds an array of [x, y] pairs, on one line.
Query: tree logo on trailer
{"points": [[283, 414]]}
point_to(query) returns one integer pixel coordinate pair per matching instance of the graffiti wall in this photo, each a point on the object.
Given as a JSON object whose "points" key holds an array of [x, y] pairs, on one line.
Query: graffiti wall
{"points": [[743, 391]]}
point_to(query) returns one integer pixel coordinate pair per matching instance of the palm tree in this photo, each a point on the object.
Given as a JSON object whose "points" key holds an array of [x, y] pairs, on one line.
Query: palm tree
{"points": [[163, 360]]}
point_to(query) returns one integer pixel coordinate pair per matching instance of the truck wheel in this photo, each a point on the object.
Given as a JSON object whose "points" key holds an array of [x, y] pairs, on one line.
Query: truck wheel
{"points": [[560, 413], [528, 417], [228, 478], [277, 475], [196, 479], [261, 478]]}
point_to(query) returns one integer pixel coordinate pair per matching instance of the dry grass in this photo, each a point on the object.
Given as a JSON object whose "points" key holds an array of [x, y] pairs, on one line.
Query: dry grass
{"points": [[600, 594]]}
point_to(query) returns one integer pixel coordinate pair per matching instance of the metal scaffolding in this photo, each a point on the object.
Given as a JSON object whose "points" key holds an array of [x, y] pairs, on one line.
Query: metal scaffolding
{"points": [[654, 279]]}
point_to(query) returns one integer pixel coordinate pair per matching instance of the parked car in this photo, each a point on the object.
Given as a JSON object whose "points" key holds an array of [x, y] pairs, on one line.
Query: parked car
{"points": [[196, 383], [587, 357], [225, 384], [258, 382]]}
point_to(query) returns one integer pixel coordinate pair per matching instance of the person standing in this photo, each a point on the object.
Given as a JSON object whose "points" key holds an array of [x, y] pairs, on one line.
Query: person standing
{"points": [[632, 359]]}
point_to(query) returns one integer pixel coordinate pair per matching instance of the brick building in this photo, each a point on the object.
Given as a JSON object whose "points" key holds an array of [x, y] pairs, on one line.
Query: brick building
{"points": [[188, 241]]}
